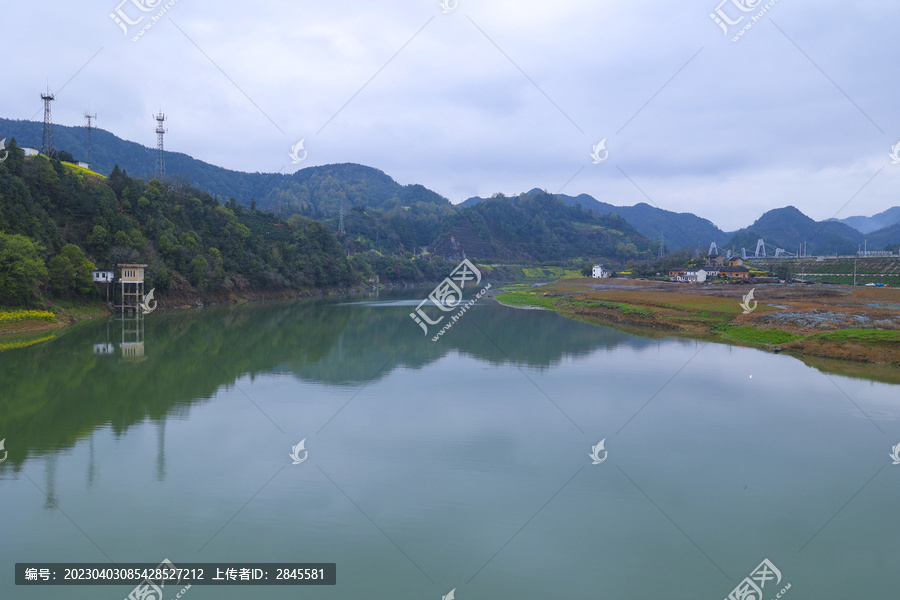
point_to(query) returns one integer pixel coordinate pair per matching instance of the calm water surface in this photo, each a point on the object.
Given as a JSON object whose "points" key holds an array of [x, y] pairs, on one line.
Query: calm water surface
{"points": [[432, 466]]}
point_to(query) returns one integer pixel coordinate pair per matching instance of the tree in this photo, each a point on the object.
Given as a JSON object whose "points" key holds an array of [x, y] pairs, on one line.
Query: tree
{"points": [[70, 271], [783, 271], [21, 269], [99, 238]]}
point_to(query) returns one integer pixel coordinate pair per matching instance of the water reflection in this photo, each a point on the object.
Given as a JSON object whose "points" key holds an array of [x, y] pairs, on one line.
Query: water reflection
{"points": [[128, 369]]}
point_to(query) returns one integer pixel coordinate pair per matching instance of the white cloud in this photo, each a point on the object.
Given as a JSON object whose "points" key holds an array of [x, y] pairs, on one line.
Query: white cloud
{"points": [[742, 128]]}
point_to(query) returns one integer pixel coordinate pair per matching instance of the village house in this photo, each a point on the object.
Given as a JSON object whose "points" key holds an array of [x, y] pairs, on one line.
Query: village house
{"points": [[599, 272], [739, 272]]}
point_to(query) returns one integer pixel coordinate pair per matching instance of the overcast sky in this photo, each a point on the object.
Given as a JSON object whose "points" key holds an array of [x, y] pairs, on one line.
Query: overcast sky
{"points": [[495, 96]]}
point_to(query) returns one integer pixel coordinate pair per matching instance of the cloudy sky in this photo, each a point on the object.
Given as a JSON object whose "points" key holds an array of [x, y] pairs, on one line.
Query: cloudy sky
{"points": [[497, 95]]}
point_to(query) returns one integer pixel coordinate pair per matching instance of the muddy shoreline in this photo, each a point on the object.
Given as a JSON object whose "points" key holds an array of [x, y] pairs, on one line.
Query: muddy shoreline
{"points": [[823, 321]]}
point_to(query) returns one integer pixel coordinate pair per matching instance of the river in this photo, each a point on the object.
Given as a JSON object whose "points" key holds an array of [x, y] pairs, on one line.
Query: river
{"points": [[462, 464]]}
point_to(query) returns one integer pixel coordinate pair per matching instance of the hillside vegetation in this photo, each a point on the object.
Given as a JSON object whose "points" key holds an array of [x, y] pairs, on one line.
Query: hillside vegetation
{"points": [[58, 221]]}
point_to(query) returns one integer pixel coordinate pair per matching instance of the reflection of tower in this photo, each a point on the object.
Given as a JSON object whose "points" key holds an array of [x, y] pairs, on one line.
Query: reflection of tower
{"points": [[160, 155], [161, 449], [89, 126], [91, 464], [133, 337], [48, 148], [50, 501]]}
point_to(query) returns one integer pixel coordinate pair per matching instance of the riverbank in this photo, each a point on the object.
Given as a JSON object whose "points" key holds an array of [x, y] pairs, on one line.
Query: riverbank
{"points": [[825, 321], [24, 327]]}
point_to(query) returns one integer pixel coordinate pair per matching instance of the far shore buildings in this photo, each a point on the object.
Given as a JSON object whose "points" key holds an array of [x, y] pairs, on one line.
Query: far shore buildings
{"points": [[716, 266]]}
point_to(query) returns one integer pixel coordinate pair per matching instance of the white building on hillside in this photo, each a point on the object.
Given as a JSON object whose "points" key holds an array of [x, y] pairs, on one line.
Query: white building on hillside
{"points": [[599, 272]]}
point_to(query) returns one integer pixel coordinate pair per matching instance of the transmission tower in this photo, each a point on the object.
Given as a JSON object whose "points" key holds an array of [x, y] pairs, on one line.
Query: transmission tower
{"points": [[341, 222], [48, 148], [89, 126], [160, 152], [662, 245]]}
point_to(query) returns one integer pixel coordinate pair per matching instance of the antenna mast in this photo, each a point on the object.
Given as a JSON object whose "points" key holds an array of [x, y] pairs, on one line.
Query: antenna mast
{"points": [[160, 155], [48, 148]]}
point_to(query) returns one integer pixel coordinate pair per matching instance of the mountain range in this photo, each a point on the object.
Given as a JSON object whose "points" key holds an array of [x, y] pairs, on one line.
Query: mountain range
{"points": [[385, 214]]}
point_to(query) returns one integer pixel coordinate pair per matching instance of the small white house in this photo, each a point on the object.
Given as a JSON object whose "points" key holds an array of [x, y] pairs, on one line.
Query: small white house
{"points": [[599, 272], [83, 164], [101, 276], [30, 151], [696, 275]]}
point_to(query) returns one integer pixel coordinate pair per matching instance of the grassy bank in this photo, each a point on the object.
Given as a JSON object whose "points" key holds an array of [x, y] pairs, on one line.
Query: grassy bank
{"points": [[24, 327], [794, 320]]}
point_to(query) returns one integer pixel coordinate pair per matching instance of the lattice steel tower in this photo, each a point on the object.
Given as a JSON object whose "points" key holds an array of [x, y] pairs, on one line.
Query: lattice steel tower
{"points": [[48, 148], [89, 125], [160, 152], [341, 222]]}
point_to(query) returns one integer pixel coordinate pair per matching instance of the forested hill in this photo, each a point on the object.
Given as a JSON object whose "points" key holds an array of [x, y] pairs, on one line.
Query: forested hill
{"points": [[677, 230], [57, 221], [788, 228], [539, 227], [108, 150]]}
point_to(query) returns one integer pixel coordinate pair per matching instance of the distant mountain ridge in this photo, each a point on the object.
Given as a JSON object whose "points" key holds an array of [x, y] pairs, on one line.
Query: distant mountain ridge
{"points": [[406, 217], [678, 230], [870, 224], [789, 228]]}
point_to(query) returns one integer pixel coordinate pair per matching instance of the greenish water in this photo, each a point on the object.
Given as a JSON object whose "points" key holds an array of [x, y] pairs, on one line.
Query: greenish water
{"points": [[461, 463]]}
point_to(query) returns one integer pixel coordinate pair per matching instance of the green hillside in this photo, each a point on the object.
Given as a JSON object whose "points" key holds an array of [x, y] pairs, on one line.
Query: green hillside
{"points": [[57, 221], [788, 228], [539, 227]]}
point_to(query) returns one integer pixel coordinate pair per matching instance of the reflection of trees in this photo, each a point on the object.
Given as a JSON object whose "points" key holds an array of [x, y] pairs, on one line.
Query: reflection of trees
{"points": [[57, 392]]}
